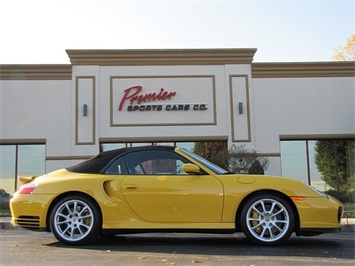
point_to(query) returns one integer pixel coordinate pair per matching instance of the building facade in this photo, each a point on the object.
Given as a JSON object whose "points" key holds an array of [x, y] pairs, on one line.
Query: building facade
{"points": [[54, 116]]}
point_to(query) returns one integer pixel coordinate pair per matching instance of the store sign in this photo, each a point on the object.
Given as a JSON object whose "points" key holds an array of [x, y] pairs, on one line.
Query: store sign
{"points": [[152, 100]]}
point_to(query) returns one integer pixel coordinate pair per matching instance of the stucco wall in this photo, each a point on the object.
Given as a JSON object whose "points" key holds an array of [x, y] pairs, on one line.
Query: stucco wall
{"points": [[44, 104]]}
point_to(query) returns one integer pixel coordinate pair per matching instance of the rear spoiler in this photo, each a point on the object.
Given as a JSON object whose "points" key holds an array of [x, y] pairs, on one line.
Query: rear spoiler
{"points": [[25, 179]]}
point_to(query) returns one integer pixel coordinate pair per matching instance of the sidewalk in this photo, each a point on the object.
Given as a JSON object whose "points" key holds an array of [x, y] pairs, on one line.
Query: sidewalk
{"points": [[347, 224]]}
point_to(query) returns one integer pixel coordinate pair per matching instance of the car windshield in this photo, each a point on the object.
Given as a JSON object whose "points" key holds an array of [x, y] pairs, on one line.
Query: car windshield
{"points": [[216, 169]]}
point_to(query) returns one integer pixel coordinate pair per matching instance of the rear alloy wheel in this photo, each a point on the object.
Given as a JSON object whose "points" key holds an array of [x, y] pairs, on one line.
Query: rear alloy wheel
{"points": [[267, 219], [75, 220]]}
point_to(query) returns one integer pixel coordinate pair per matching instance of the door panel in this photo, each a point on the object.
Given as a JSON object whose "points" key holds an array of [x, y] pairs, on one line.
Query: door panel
{"points": [[158, 190], [174, 198]]}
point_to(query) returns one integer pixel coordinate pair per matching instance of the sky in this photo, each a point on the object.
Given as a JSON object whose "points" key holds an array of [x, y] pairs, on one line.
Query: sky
{"points": [[39, 31]]}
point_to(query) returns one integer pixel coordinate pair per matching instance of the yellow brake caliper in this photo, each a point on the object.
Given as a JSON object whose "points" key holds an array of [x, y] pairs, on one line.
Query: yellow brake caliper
{"points": [[255, 223]]}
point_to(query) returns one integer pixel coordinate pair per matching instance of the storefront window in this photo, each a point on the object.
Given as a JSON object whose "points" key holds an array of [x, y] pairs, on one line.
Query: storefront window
{"points": [[138, 144], [293, 158], [314, 175], [327, 165], [7, 167], [31, 160], [20, 160], [298, 162], [112, 146], [187, 145]]}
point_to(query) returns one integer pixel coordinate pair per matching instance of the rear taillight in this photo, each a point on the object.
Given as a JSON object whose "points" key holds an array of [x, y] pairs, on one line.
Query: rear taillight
{"points": [[27, 189]]}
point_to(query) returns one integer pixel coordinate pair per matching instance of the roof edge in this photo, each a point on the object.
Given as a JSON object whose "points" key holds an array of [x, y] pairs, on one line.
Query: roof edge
{"points": [[153, 57], [36, 72], [304, 69]]}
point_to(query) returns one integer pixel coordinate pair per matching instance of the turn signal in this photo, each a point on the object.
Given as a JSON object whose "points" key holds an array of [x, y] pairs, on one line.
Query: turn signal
{"points": [[298, 198]]}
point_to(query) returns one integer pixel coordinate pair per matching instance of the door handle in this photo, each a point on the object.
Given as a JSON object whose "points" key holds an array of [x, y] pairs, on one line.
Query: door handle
{"points": [[130, 186]]}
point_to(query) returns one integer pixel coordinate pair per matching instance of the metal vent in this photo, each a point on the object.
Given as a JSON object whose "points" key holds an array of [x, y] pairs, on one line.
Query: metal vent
{"points": [[28, 221]]}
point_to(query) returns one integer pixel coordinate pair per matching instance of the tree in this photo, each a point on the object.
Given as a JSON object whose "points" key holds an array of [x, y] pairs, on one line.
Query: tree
{"points": [[332, 159], [215, 152], [237, 159], [242, 161], [346, 52]]}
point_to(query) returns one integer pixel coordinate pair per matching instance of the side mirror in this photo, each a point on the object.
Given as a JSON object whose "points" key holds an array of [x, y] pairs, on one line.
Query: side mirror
{"points": [[190, 168]]}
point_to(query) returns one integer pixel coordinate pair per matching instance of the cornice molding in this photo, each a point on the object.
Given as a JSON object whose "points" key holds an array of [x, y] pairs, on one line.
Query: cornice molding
{"points": [[163, 57], [177, 57], [22, 141], [317, 136], [163, 139], [35, 72], [68, 158], [302, 70]]}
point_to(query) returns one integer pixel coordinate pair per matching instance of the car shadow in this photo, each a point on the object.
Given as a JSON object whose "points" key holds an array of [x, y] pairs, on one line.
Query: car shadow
{"points": [[223, 245]]}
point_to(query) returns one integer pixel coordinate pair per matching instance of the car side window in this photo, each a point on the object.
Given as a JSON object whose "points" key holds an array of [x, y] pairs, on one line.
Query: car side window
{"points": [[118, 167], [155, 162]]}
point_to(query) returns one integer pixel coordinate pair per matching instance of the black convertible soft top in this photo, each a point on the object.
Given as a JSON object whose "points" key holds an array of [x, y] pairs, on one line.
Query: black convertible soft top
{"points": [[96, 164]]}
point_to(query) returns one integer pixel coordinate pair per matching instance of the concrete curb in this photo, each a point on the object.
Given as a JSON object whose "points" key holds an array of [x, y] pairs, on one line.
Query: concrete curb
{"points": [[348, 225], [5, 223]]}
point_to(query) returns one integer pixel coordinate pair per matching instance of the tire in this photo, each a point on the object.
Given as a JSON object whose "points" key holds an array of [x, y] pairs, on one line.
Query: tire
{"points": [[75, 220], [267, 219]]}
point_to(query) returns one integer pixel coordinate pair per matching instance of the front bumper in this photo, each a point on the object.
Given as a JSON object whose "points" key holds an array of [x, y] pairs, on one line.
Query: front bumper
{"points": [[320, 214]]}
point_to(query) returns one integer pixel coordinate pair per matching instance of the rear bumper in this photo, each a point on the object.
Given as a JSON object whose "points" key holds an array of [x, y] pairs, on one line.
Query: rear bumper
{"points": [[28, 214]]}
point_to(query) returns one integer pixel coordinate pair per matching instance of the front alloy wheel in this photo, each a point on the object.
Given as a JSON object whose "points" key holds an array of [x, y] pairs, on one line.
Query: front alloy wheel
{"points": [[267, 219], [75, 220]]}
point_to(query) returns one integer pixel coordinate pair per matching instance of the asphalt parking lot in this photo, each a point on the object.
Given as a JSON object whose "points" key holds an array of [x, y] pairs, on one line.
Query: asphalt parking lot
{"points": [[23, 247]]}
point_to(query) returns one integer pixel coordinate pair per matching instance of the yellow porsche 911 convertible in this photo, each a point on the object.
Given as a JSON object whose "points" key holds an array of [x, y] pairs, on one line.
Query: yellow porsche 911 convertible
{"points": [[169, 189]]}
